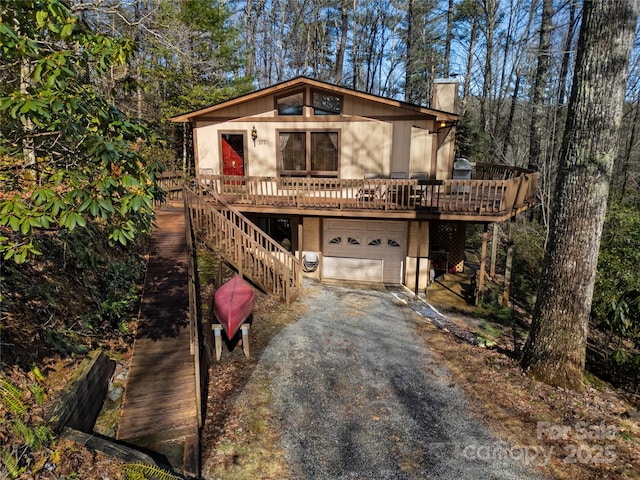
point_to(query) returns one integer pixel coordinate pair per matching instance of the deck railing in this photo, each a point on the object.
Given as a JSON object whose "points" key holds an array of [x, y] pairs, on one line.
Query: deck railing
{"points": [[194, 319], [476, 196], [170, 184], [241, 243], [496, 171]]}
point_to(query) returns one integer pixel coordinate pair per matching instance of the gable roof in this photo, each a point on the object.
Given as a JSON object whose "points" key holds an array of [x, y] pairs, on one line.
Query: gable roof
{"points": [[306, 81]]}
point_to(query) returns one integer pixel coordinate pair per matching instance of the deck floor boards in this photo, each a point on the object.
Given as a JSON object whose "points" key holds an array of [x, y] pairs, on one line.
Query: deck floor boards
{"points": [[160, 394]]}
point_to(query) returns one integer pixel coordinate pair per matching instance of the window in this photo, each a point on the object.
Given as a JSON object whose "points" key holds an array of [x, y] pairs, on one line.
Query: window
{"points": [[290, 104], [376, 242], [326, 104], [292, 151], [324, 151], [392, 243], [353, 241], [309, 153], [335, 241]]}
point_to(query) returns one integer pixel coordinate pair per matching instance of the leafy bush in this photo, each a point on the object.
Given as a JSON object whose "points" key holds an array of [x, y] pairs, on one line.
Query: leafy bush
{"points": [[67, 157], [527, 265], [615, 310], [618, 259]]}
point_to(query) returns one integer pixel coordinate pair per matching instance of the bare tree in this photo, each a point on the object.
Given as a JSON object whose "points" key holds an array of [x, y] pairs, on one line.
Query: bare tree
{"points": [[567, 50], [448, 38], [540, 84], [469, 11], [489, 10], [342, 44]]}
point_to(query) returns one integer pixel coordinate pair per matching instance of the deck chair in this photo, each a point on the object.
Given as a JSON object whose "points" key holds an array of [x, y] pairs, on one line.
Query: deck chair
{"points": [[417, 194], [420, 175], [394, 194], [398, 175], [370, 190]]}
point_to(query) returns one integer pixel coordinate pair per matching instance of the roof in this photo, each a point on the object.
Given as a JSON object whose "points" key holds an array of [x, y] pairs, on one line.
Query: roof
{"points": [[305, 81]]}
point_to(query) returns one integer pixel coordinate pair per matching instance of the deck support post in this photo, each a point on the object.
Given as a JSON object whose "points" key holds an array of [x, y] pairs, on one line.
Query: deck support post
{"points": [[494, 250], [483, 261], [508, 269]]}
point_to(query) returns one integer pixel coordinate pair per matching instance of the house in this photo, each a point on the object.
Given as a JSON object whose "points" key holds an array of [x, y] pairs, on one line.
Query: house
{"points": [[360, 187]]}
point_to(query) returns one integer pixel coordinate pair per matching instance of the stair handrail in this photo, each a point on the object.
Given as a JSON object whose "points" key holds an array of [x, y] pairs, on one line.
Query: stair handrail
{"points": [[253, 235]]}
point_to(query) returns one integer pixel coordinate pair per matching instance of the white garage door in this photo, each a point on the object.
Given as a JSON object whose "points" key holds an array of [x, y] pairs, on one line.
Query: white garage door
{"points": [[364, 250]]}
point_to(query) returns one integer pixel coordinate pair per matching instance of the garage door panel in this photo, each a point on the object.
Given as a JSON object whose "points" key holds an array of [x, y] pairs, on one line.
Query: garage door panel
{"points": [[355, 269]]}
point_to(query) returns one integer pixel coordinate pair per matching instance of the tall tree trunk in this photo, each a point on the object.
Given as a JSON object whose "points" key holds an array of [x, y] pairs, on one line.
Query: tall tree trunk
{"points": [[410, 61], [138, 57], [355, 61], [556, 348], [629, 151], [566, 55], [490, 13], [470, 57], [448, 39], [540, 85], [250, 32], [512, 114], [344, 30]]}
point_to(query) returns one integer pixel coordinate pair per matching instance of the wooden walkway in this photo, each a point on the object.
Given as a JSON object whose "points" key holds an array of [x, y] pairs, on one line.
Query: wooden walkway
{"points": [[159, 410]]}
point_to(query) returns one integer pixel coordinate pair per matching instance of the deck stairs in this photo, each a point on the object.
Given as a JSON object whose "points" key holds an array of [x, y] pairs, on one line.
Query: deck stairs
{"points": [[243, 245]]}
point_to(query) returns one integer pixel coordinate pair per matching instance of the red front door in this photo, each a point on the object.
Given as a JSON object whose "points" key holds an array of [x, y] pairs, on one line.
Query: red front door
{"points": [[233, 154]]}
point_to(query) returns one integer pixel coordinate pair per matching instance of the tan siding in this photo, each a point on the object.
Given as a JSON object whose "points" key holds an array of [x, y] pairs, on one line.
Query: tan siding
{"points": [[445, 156], [401, 147], [207, 149], [364, 107], [311, 234], [367, 145], [256, 107], [420, 154], [366, 148]]}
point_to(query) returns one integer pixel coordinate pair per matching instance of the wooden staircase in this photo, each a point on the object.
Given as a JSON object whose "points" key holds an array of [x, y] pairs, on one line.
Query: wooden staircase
{"points": [[243, 245]]}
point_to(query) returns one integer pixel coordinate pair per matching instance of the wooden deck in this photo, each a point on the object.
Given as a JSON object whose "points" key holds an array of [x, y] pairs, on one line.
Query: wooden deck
{"points": [[494, 193], [480, 200], [159, 411]]}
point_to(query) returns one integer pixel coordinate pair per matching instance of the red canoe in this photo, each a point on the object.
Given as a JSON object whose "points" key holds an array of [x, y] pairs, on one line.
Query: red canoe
{"points": [[232, 304]]}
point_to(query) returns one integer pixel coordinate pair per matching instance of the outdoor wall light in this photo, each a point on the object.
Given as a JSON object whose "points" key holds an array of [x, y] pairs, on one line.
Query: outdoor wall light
{"points": [[254, 135], [443, 124]]}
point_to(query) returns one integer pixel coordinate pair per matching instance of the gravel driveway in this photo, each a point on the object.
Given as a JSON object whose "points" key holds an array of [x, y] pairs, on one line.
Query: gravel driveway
{"points": [[359, 396]]}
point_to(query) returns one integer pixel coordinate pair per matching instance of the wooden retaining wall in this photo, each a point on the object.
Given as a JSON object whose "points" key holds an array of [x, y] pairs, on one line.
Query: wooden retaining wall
{"points": [[81, 402]]}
